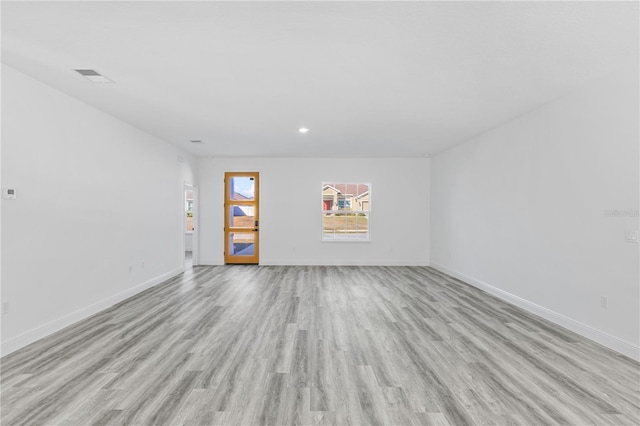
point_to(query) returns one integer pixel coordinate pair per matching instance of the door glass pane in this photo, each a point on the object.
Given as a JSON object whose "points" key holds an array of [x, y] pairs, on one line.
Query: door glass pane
{"points": [[242, 188], [242, 216], [241, 244]]}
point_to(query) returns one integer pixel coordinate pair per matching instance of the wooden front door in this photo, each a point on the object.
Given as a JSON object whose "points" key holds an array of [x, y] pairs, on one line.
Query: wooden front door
{"points": [[241, 217]]}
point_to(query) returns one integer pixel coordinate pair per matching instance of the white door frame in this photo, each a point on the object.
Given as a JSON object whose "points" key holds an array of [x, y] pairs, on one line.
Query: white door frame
{"points": [[194, 235], [196, 227]]}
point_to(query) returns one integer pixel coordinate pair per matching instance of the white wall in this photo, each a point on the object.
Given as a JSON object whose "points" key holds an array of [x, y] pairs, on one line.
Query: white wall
{"points": [[188, 241], [520, 211], [95, 196], [290, 210]]}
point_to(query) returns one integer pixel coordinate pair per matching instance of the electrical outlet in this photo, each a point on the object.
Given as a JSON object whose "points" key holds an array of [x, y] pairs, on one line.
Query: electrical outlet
{"points": [[130, 268], [142, 264], [5, 308], [604, 302]]}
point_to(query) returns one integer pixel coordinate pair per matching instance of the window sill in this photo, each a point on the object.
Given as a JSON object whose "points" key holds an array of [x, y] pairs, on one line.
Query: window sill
{"points": [[345, 241], [354, 240]]}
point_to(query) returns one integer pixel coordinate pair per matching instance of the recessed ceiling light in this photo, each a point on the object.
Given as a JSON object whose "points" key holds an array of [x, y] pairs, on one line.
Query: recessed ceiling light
{"points": [[94, 76], [303, 130]]}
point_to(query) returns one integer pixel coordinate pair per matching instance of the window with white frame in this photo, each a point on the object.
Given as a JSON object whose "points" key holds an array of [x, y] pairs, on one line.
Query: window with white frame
{"points": [[346, 211]]}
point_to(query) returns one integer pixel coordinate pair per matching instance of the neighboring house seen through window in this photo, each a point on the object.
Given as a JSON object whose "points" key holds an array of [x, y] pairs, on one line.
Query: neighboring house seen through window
{"points": [[346, 211]]}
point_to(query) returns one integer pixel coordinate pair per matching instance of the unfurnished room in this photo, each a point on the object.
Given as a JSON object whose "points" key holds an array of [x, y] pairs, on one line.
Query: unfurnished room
{"points": [[320, 213]]}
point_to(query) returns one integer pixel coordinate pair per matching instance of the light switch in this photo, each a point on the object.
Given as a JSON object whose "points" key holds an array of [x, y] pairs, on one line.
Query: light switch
{"points": [[631, 236]]}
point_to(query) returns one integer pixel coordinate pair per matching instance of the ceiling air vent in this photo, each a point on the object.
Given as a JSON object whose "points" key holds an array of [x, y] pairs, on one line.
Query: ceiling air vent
{"points": [[196, 141], [94, 76]]}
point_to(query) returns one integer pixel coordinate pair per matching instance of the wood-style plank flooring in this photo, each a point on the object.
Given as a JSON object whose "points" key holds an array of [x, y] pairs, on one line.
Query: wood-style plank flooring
{"points": [[318, 345]]}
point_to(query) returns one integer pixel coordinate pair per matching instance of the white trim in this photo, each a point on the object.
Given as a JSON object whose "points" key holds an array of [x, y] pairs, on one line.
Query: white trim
{"points": [[186, 186], [368, 240], [212, 262], [195, 249], [346, 212], [51, 327], [313, 262], [326, 185], [611, 342]]}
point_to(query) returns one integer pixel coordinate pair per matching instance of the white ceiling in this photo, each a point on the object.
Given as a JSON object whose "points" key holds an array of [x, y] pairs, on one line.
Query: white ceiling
{"points": [[370, 79]]}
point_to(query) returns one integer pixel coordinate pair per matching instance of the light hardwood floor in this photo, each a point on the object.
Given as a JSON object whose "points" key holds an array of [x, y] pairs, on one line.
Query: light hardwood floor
{"points": [[317, 345]]}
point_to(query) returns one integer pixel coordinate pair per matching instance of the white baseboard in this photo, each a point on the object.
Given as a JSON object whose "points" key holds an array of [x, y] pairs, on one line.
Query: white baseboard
{"points": [[308, 262], [51, 327], [611, 342], [333, 262], [210, 262]]}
